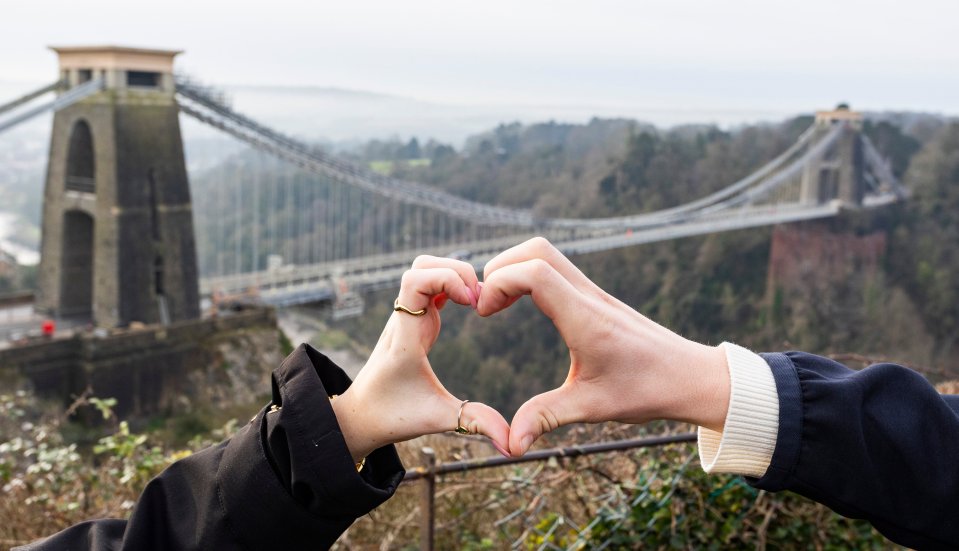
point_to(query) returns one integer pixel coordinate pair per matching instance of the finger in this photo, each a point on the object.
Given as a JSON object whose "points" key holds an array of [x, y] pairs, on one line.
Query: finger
{"points": [[541, 414], [480, 418], [466, 270], [552, 293], [419, 286], [541, 248]]}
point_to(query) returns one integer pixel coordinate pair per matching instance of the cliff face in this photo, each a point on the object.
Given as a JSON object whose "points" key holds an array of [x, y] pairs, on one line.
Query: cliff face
{"points": [[236, 370], [829, 291], [802, 251]]}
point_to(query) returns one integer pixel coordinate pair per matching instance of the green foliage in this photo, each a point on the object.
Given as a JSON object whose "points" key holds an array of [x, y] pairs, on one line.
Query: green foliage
{"points": [[925, 246], [104, 406], [48, 483], [334, 339], [389, 167], [673, 504], [286, 347], [552, 168], [898, 146], [693, 510], [132, 460], [18, 280]]}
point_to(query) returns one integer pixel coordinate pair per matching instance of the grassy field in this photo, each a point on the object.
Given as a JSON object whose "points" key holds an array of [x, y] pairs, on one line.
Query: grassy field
{"points": [[387, 167]]}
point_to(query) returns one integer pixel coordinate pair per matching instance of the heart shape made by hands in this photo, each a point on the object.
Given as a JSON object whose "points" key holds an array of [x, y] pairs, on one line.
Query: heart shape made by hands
{"points": [[623, 367]]}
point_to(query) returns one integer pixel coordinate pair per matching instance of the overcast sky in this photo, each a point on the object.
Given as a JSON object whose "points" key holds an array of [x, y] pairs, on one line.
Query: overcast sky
{"points": [[732, 55]]}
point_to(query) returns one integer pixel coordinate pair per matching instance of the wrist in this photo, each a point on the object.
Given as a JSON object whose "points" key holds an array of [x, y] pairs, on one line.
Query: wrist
{"points": [[701, 386], [356, 431], [713, 393]]}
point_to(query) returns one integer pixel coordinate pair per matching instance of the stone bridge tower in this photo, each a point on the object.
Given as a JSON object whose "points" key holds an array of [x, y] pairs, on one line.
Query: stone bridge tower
{"points": [[117, 243], [838, 173]]}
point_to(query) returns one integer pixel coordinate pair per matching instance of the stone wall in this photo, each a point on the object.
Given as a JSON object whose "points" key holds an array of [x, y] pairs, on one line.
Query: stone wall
{"points": [[155, 370]]}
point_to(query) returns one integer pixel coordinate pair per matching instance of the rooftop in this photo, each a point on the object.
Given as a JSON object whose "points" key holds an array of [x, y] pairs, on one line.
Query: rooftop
{"points": [[116, 57]]}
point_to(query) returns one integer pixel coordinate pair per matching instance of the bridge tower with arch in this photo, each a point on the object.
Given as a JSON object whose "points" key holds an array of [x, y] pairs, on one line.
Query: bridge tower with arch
{"points": [[839, 172], [117, 235]]}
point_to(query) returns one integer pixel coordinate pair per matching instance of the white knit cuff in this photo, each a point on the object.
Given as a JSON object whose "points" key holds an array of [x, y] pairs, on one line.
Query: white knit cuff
{"points": [[746, 444]]}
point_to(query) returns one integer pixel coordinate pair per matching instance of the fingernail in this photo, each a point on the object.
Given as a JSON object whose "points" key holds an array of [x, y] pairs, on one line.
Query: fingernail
{"points": [[472, 295], [500, 449], [479, 288], [526, 443]]}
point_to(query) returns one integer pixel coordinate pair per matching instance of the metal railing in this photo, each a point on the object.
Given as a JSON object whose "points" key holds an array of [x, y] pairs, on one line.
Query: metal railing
{"points": [[66, 99], [431, 470]]}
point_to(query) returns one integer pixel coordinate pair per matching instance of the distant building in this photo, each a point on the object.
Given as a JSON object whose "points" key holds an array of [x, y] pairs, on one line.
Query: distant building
{"points": [[8, 265], [842, 113]]}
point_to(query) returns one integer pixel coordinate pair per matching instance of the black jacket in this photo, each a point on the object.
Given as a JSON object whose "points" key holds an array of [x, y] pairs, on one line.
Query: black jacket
{"points": [[878, 444], [284, 481]]}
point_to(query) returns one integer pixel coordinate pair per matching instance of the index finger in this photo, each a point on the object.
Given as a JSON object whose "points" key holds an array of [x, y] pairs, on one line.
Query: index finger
{"points": [[550, 291], [541, 248]]}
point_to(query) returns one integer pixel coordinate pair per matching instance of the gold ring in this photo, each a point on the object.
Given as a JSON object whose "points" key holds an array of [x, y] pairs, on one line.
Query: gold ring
{"points": [[397, 307], [460, 429]]}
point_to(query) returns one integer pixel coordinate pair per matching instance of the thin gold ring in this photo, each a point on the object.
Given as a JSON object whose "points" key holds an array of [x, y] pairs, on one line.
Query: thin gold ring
{"points": [[460, 429], [397, 307]]}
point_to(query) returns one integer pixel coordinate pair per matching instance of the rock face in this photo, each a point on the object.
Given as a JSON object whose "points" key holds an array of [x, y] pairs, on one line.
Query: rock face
{"points": [[237, 370], [828, 292], [801, 251]]}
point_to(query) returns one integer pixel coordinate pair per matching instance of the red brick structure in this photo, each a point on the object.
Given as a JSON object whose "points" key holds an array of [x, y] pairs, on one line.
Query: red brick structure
{"points": [[801, 251]]}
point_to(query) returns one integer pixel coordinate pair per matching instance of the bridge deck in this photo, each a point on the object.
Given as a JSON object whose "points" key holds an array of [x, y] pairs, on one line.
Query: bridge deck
{"points": [[316, 283]]}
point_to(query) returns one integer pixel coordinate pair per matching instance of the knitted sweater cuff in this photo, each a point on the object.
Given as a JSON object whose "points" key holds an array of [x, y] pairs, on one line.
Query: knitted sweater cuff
{"points": [[746, 444]]}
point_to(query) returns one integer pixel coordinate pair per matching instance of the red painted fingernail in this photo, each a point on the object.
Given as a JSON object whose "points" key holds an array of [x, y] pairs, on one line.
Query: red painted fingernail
{"points": [[500, 449], [472, 295]]}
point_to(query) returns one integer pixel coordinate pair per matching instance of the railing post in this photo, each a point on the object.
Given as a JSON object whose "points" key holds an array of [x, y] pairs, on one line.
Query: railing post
{"points": [[427, 499]]}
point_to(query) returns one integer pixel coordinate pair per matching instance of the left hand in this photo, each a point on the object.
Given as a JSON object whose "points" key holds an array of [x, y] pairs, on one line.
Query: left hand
{"points": [[623, 366], [396, 396]]}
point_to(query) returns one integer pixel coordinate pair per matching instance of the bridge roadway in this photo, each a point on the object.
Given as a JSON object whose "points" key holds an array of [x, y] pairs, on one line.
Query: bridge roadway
{"points": [[292, 285]]}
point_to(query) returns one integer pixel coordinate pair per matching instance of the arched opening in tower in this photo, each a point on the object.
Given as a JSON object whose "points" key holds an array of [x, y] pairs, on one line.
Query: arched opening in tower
{"points": [[76, 288], [80, 161]]}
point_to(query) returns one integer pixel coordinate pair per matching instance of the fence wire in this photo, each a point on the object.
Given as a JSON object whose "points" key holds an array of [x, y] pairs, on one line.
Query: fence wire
{"points": [[554, 503], [654, 497]]}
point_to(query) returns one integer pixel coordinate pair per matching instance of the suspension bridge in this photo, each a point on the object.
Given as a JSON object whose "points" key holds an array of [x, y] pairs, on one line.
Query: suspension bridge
{"points": [[292, 224]]}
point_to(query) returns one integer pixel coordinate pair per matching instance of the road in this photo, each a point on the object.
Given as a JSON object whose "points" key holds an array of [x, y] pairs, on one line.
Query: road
{"points": [[303, 325]]}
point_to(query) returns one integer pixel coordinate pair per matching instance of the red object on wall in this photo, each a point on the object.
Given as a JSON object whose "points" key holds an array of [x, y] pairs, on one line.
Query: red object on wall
{"points": [[47, 327]]}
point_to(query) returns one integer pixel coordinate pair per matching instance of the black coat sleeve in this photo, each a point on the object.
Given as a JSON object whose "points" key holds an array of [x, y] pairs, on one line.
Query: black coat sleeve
{"points": [[284, 481], [878, 444]]}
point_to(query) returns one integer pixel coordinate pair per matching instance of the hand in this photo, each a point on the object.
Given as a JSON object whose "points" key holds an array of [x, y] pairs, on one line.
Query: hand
{"points": [[396, 396], [623, 367]]}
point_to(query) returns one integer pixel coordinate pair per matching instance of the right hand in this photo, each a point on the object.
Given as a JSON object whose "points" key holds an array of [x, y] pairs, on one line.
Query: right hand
{"points": [[397, 396], [623, 366]]}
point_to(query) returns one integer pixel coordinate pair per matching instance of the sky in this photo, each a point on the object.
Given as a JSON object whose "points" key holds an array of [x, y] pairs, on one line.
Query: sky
{"points": [[720, 60]]}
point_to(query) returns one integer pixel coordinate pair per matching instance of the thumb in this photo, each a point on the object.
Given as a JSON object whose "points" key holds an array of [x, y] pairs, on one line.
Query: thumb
{"points": [[480, 418], [540, 414]]}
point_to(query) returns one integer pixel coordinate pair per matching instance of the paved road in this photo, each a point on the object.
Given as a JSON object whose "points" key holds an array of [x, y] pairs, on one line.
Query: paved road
{"points": [[304, 324]]}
